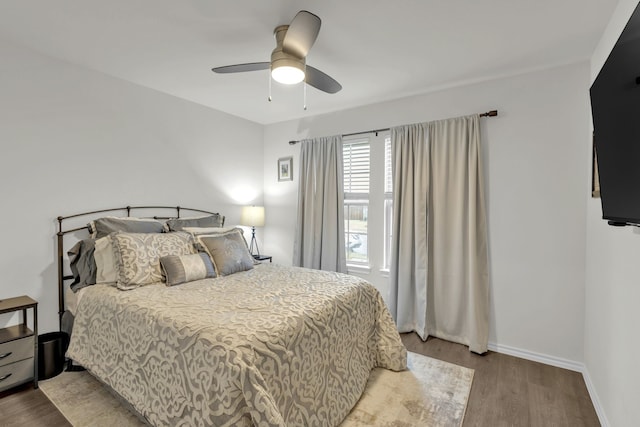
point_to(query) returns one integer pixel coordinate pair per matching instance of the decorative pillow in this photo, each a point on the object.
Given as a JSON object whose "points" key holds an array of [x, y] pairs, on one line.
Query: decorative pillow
{"points": [[101, 227], [178, 224], [138, 255], [196, 231], [82, 264], [106, 272], [228, 251], [186, 268], [208, 230]]}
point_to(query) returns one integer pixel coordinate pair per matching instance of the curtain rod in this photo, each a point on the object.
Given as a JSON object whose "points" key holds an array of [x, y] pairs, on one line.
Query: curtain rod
{"points": [[491, 113]]}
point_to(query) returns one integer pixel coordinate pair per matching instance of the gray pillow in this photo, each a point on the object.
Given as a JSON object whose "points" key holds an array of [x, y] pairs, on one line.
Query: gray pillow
{"points": [[180, 269], [228, 251], [177, 224], [82, 264], [102, 227]]}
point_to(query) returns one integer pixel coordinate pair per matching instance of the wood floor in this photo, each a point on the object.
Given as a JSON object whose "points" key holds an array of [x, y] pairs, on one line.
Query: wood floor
{"points": [[29, 407], [506, 391]]}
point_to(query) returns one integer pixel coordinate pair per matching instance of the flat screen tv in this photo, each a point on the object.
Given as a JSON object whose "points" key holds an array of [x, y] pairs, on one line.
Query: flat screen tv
{"points": [[615, 107]]}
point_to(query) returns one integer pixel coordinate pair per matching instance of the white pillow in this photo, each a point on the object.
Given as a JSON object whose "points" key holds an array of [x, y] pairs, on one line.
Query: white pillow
{"points": [[208, 230], [106, 272]]}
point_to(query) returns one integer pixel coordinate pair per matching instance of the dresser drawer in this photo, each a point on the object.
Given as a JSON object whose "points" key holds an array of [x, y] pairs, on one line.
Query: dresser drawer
{"points": [[13, 351], [16, 373]]}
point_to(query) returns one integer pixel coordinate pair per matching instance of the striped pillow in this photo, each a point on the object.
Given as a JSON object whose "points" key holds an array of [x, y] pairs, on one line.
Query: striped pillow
{"points": [[180, 269]]}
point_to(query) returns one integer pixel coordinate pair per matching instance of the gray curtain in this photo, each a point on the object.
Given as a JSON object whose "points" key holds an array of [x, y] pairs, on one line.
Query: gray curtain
{"points": [[319, 236], [439, 256]]}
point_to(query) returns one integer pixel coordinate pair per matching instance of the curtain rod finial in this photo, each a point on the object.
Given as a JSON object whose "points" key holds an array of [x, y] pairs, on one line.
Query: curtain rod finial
{"points": [[292, 142]]}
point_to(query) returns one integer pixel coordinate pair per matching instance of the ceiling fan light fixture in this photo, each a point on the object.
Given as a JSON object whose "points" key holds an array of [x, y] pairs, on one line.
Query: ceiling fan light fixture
{"points": [[288, 63], [287, 72], [287, 75]]}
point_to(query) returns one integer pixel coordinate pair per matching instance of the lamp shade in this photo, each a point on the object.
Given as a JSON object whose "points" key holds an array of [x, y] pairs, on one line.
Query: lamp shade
{"points": [[252, 216]]}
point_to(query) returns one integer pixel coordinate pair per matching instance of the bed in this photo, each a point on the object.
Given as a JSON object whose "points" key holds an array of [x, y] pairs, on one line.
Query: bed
{"points": [[263, 345]]}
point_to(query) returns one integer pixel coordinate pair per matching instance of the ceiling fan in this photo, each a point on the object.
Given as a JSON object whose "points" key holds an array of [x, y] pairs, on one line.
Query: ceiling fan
{"points": [[288, 60]]}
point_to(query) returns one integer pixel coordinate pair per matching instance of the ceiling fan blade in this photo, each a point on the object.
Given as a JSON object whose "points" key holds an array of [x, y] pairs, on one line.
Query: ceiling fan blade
{"points": [[321, 81], [301, 35], [241, 68]]}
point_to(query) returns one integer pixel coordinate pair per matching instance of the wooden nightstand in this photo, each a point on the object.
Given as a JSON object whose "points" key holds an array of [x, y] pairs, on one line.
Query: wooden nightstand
{"points": [[262, 258], [19, 345]]}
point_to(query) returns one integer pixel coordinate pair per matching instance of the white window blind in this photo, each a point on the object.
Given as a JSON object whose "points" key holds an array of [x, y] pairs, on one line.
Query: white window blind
{"points": [[388, 203], [356, 167], [388, 172]]}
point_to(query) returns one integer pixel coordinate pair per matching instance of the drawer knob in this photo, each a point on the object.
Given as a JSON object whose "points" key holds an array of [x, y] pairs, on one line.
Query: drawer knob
{"points": [[2, 356], [5, 377]]}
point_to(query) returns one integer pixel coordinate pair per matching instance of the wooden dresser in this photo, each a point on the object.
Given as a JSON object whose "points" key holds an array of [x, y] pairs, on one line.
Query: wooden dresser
{"points": [[19, 345]]}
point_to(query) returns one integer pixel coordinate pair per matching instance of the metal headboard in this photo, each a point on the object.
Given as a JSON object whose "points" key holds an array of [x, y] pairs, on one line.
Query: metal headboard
{"points": [[62, 232]]}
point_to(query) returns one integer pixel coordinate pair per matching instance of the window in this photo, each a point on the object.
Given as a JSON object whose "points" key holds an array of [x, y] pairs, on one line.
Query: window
{"points": [[356, 159], [368, 201]]}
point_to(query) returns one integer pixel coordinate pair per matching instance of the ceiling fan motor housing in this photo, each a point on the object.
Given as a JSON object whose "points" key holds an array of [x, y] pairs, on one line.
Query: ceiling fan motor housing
{"points": [[279, 58]]}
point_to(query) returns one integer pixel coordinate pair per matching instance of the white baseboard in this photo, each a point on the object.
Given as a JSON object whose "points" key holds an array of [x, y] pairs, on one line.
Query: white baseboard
{"points": [[560, 363], [537, 357], [604, 422]]}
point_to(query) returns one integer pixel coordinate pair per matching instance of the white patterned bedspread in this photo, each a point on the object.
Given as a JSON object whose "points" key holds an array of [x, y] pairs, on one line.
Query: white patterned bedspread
{"points": [[272, 346]]}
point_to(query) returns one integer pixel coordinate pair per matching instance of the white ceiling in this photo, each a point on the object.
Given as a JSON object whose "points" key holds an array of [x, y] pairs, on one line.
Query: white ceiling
{"points": [[377, 49]]}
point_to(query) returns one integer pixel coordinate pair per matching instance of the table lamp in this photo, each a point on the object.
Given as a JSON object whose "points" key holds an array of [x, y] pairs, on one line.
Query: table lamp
{"points": [[253, 216]]}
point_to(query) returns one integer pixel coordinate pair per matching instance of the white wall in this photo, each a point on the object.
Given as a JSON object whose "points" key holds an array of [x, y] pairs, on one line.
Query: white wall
{"points": [[612, 289], [75, 140], [536, 167]]}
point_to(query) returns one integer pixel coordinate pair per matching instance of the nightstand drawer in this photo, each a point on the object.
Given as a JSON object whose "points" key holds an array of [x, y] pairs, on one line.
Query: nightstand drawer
{"points": [[16, 373], [13, 351]]}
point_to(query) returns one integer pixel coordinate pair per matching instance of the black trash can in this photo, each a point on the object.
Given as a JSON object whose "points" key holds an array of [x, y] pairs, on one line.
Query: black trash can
{"points": [[51, 349]]}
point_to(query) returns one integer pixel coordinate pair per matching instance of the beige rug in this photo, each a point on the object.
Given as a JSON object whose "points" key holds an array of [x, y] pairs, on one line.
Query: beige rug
{"points": [[429, 393]]}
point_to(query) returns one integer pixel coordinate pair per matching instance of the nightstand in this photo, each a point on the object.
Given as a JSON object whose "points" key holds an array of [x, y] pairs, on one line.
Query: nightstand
{"points": [[262, 257], [19, 345]]}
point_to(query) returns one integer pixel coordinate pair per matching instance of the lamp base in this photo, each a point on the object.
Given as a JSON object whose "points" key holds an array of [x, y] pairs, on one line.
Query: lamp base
{"points": [[254, 242]]}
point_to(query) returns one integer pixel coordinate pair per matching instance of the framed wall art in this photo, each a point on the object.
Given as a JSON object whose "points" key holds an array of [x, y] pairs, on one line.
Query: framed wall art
{"points": [[285, 169]]}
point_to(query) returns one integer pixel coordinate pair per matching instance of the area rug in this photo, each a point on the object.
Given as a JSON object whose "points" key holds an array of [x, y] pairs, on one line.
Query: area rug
{"points": [[430, 393]]}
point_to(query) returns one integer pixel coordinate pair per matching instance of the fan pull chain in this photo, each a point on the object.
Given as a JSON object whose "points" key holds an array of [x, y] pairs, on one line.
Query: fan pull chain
{"points": [[269, 87]]}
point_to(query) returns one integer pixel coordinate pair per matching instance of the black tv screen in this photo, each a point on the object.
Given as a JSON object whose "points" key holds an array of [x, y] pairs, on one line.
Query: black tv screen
{"points": [[615, 107]]}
